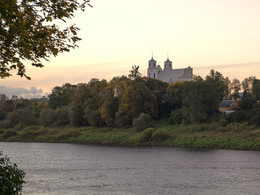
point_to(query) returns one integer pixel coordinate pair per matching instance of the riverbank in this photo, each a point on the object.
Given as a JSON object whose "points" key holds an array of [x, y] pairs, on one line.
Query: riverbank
{"points": [[238, 136]]}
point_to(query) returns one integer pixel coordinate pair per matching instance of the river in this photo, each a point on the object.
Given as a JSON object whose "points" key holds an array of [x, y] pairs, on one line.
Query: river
{"points": [[55, 169]]}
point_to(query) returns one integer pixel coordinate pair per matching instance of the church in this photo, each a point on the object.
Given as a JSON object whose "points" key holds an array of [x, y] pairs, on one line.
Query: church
{"points": [[167, 74]]}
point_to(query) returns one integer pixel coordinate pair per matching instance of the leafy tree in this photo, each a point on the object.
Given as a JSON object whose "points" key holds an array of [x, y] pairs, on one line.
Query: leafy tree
{"points": [[76, 115], [24, 117], [137, 99], [11, 178], [227, 90], [28, 32], [247, 103], [247, 84], [109, 106], [61, 96], [175, 116], [47, 117], [134, 73], [62, 116], [200, 100], [256, 89], [158, 88], [94, 118], [217, 79], [236, 87], [174, 95]]}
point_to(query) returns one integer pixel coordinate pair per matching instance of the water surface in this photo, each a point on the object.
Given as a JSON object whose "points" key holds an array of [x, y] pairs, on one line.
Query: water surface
{"points": [[83, 169]]}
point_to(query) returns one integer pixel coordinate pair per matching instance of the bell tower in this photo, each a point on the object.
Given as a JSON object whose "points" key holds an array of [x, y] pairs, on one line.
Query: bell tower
{"points": [[153, 69], [168, 64]]}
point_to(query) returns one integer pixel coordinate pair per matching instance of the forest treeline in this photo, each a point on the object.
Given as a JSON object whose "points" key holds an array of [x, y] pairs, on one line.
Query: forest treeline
{"points": [[135, 101]]}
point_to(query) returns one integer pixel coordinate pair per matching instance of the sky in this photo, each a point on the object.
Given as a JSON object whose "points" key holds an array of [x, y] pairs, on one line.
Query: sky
{"points": [[116, 34]]}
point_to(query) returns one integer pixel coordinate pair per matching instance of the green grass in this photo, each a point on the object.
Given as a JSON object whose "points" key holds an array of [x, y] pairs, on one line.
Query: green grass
{"points": [[212, 135]]}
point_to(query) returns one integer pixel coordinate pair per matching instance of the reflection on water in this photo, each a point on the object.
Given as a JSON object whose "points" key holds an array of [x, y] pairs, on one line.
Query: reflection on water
{"points": [[83, 169]]}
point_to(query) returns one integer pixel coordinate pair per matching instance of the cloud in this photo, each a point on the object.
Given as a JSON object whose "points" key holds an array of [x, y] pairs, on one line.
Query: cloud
{"points": [[33, 92]]}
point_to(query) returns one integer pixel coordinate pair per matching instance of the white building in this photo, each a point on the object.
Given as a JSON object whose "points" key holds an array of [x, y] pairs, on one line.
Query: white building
{"points": [[168, 74]]}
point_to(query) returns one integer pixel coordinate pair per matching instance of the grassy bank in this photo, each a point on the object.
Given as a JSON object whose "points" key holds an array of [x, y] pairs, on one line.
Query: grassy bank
{"points": [[231, 136]]}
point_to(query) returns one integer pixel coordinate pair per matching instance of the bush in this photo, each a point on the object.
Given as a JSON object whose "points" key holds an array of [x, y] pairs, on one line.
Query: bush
{"points": [[11, 178], [175, 116], [5, 124], [142, 122], [9, 133], [255, 120], [160, 135], [146, 135]]}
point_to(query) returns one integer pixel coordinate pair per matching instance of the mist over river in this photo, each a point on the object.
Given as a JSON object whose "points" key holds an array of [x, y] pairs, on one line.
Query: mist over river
{"points": [[53, 168]]}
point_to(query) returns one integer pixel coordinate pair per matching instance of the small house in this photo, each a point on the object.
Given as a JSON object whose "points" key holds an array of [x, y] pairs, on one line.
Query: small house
{"points": [[227, 106]]}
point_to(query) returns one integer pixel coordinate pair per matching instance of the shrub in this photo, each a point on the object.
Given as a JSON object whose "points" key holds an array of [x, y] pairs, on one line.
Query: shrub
{"points": [[142, 122], [175, 116], [5, 124], [146, 135], [255, 120], [11, 178], [9, 133], [160, 135]]}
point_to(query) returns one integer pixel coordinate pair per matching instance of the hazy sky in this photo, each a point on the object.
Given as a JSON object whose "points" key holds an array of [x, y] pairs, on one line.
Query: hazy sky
{"points": [[203, 34]]}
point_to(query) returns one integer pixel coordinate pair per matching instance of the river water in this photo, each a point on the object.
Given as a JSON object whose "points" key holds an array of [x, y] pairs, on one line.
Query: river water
{"points": [[86, 169]]}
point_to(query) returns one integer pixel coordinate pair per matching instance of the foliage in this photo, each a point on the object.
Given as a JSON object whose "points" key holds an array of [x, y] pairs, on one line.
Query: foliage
{"points": [[9, 133], [247, 103], [142, 122], [174, 95], [76, 114], [11, 178], [47, 117], [61, 96], [29, 32], [219, 82], [175, 116], [24, 117], [200, 101], [256, 89], [160, 135], [236, 87], [146, 135], [134, 73]]}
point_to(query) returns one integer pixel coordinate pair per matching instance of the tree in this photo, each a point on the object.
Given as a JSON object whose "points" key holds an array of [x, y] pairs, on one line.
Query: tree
{"points": [[11, 178], [47, 117], [247, 84], [236, 87], [28, 32], [217, 79], [200, 100], [134, 73], [174, 95], [256, 89], [61, 96]]}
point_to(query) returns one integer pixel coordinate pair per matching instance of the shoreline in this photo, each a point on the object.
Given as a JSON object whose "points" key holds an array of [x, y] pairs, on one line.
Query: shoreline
{"points": [[174, 136]]}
